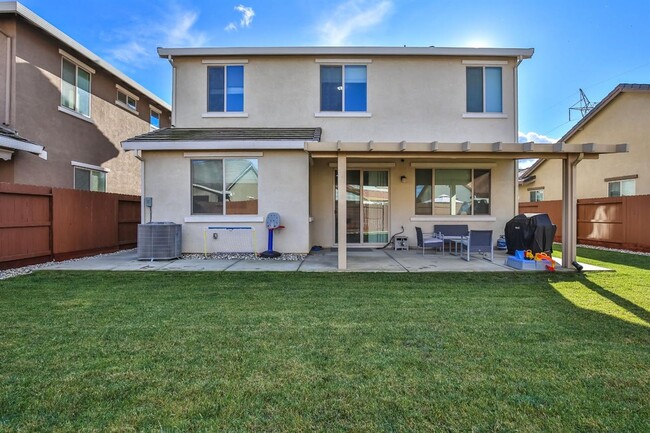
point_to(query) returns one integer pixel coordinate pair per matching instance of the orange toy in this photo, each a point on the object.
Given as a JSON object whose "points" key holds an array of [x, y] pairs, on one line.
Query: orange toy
{"points": [[543, 256]]}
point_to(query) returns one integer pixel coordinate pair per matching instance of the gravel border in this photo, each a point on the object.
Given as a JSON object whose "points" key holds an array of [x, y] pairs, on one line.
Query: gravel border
{"points": [[285, 257], [9, 273], [594, 247]]}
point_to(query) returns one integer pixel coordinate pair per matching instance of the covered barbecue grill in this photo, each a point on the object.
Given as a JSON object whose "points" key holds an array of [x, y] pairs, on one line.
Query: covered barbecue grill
{"points": [[530, 231]]}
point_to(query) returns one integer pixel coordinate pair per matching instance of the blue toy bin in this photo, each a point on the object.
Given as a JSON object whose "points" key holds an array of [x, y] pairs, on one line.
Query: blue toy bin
{"points": [[519, 254]]}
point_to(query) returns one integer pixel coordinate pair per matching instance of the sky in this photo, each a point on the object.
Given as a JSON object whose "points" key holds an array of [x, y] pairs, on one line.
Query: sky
{"points": [[590, 45]]}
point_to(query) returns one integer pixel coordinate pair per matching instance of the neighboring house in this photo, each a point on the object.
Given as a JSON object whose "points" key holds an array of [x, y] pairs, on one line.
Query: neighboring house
{"points": [[58, 96], [622, 117], [424, 136]]}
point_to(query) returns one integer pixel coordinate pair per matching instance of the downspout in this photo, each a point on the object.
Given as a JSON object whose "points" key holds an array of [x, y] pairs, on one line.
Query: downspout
{"points": [[171, 62], [516, 138], [8, 79], [143, 216]]}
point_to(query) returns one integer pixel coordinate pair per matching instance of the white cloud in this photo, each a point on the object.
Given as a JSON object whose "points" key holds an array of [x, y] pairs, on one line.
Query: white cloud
{"points": [[525, 163], [537, 138], [134, 46], [247, 14], [351, 17], [230, 27]]}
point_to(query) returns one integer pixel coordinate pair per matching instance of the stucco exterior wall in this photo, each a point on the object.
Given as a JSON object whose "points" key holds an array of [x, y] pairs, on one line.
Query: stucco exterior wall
{"points": [[68, 138], [548, 177], [623, 120], [283, 187], [402, 198], [413, 99]]}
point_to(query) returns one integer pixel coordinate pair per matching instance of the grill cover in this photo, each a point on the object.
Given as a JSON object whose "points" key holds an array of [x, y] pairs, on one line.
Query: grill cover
{"points": [[530, 231]]}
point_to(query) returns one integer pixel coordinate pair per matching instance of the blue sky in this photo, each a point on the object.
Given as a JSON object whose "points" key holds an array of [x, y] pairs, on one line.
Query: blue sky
{"points": [[593, 45]]}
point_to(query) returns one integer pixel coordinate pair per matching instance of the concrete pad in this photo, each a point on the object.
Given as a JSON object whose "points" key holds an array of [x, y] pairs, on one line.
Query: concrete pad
{"points": [[265, 265], [198, 265]]}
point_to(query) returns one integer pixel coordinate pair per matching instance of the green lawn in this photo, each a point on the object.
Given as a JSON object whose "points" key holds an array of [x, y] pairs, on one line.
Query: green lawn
{"points": [[524, 352]]}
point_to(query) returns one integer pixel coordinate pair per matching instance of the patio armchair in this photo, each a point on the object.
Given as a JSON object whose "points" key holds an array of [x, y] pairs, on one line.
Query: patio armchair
{"points": [[478, 241], [429, 242]]}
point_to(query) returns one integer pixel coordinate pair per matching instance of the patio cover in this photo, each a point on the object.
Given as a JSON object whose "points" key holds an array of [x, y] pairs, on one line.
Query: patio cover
{"points": [[571, 155]]}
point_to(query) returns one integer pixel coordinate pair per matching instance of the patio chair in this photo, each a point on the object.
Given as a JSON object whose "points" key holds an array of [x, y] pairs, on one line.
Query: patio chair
{"points": [[428, 242], [478, 241]]}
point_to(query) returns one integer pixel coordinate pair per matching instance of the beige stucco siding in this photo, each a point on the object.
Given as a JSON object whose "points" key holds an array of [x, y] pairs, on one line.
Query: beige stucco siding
{"points": [[283, 187], [402, 199], [413, 99], [623, 120]]}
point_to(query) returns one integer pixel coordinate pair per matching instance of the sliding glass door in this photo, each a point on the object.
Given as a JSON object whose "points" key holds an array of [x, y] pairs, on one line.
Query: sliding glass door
{"points": [[367, 207]]}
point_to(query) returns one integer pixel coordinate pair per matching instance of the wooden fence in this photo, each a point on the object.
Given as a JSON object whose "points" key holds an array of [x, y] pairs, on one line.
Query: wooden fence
{"points": [[40, 224], [613, 222]]}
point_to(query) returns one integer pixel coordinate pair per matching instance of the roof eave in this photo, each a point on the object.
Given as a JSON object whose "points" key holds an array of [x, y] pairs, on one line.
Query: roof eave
{"points": [[523, 53]]}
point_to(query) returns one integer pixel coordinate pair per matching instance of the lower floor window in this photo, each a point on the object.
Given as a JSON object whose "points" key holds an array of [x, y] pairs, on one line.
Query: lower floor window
{"points": [[620, 188], [452, 192], [89, 180], [537, 195], [224, 186]]}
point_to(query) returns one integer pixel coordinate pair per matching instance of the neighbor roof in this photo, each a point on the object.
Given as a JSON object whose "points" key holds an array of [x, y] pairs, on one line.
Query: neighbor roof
{"points": [[524, 53], [9, 139], [18, 9], [621, 88]]}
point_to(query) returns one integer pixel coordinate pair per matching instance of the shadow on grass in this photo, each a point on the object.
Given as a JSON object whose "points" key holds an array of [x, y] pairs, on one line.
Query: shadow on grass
{"points": [[630, 306]]}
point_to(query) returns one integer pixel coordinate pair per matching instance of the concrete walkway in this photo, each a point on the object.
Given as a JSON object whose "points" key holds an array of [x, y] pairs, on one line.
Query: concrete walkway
{"points": [[323, 261]]}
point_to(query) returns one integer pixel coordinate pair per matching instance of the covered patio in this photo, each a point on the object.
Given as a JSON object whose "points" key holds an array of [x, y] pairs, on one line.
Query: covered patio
{"points": [[426, 154]]}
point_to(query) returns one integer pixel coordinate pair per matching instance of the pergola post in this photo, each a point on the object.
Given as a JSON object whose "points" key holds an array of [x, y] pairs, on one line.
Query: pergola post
{"points": [[342, 184], [569, 210]]}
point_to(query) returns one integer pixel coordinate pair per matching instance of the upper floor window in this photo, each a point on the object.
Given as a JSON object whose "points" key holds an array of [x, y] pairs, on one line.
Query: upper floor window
{"points": [[619, 188], [75, 87], [224, 186], [154, 117], [484, 89], [452, 191], [226, 88], [343, 88], [536, 195], [126, 99]]}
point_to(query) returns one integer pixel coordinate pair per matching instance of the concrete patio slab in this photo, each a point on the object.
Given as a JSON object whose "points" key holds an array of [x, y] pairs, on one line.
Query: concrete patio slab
{"points": [[265, 265], [363, 260]]}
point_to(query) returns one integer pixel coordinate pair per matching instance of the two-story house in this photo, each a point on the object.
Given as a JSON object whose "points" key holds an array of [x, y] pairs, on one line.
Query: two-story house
{"points": [[347, 144], [65, 111], [621, 117]]}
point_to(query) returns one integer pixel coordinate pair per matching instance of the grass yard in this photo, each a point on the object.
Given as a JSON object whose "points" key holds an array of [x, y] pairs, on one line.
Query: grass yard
{"points": [[486, 352]]}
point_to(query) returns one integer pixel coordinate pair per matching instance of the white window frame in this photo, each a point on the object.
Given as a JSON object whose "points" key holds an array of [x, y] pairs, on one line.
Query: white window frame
{"points": [[224, 214], [535, 191], [433, 168], [158, 112], [343, 63], [89, 167], [620, 181], [225, 112], [486, 114], [78, 64], [128, 96]]}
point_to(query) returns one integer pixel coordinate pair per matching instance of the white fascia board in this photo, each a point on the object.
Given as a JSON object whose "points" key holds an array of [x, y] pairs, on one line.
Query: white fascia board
{"points": [[215, 145], [21, 145], [27, 14], [524, 53]]}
